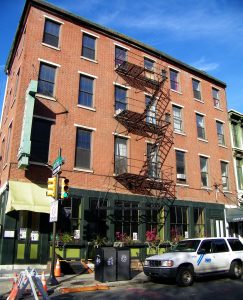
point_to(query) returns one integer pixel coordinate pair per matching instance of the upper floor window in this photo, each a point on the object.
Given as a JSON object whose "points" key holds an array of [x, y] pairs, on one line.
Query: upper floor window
{"points": [[204, 171], [220, 133], [151, 110], [200, 126], [40, 140], [174, 80], [86, 91], [216, 100], [120, 55], [83, 149], [51, 33], [46, 80], [120, 99], [120, 155], [196, 89], [225, 174], [239, 171], [236, 141], [152, 159], [88, 46], [148, 64], [7, 144], [16, 83], [177, 119], [180, 167]]}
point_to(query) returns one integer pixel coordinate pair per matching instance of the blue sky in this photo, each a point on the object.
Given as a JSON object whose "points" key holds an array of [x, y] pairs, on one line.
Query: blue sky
{"points": [[205, 34]]}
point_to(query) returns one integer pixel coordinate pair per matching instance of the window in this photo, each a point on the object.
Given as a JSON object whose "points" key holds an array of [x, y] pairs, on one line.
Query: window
{"points": [[86, 91], [239, 170], [152, 212], [207, 246], [151, 112], [83, 149], [88, 46], [3, 152], [204, 171], [236, 142], [148, 64], [200, 127], [178, 222], [120, 99], [220, 133], [120, 155], [177, 119], [199, 223], [220, 246], [46, 80], [40, 140], [120, 55], [16, 84], [225, 175], [8, 144], [126, 217], [51, 33], [174, 80], [235, 244], [196, 89], [153, 163], [180, 167], [216, 100]]}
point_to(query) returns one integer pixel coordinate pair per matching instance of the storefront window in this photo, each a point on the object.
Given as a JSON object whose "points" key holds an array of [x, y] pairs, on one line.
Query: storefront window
{"points": [[178, 222], [199, 223]]}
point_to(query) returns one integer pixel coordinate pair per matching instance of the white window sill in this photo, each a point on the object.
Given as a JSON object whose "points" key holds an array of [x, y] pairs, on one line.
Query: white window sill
{"points": [[50, 46], [223, 146], [198, 100], [218, 108], [178, 92], [89, 59], [202, 140], [182, 184], [83, 170], [180, 133], [86, 107], [45, 97]]}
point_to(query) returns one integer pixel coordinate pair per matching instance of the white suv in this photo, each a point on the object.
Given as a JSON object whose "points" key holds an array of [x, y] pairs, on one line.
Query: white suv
{"points": [[197, 257]]}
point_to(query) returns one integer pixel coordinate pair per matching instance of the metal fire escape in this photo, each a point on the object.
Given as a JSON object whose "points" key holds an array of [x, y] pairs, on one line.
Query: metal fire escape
{"points": [[152, 178]]}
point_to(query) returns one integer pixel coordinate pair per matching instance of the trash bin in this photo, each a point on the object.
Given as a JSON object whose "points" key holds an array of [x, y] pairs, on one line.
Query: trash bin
{"points": [[123, 264], [105, 264]]}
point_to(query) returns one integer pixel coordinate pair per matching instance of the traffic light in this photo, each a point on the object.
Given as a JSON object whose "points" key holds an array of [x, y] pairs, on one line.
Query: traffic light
{"points": [[64, 188], [51, 187]]}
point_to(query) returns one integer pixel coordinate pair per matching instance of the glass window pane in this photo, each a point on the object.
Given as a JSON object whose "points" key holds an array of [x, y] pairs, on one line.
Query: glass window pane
{"points": [[51, 33], [46, 80], [83, 149], [88, 46], [120, 55]]}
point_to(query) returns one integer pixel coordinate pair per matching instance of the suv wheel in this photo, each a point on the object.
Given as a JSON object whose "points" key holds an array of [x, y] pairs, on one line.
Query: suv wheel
{"points": [[235, 270], [185, 276]]}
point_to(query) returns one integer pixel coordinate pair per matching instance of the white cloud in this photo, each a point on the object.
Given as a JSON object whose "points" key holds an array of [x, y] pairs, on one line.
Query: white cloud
{"points": [[203, 64]]}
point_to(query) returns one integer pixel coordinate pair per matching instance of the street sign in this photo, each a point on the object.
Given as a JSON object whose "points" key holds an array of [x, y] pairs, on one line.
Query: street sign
{"points": [[54, 211], [56, 167]]}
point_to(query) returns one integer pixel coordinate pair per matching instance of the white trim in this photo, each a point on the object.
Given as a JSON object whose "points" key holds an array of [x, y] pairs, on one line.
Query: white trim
{"points": [[201, 101], [121, 135], [149, 57], [45, 97], [182, 184], [122, 85], [202, 140], [180, 133], [89, 59], [53, 19], [179, 149], [204, 155], [83, 170], [86, 107], [50, 46], [220, 121], [119, 45], [173, 68], [49, 62], [87, 74], [226, 161], [85, 127], [196, 78], [175, 91], [89, 33], [179, 105], [44, 118], [199, 113], [216, 88]]}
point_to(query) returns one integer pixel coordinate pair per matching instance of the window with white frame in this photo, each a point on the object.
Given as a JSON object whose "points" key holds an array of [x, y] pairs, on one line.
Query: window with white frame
{"points": [[120, 155], [86, 91], [239, 172], [88, 46], [180, 167], [83, 149], [220, 133], [152, 159], [8, 144], [174, 80], [204, 171], [200, 126], [177, 118], [196, 89], [225, 174], [216, 100], [151, 111], [46, 80], [120, 99], [51, 33], [120, 55]]}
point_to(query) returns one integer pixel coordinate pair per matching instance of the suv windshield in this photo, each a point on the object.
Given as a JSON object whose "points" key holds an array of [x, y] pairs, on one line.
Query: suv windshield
{"points": [[186, 246]]}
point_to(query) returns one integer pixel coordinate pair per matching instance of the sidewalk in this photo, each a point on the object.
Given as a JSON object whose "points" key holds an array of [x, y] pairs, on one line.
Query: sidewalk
{"points": [[71, 282]]}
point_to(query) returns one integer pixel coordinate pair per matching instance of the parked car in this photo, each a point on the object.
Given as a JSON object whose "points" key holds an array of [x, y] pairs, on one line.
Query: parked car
{"points": [[197, 257]]}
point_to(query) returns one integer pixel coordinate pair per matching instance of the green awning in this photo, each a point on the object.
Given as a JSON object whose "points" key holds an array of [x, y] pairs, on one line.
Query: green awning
{"points": [[27, 196], [234, 214]]}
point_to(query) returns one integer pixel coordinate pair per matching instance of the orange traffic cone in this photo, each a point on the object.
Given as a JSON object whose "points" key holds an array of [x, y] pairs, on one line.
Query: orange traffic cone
{"points": [[57, 271], [43, 281]]}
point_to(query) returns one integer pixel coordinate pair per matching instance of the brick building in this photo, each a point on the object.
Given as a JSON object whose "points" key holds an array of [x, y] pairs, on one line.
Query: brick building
{"points": [[145, 139]]}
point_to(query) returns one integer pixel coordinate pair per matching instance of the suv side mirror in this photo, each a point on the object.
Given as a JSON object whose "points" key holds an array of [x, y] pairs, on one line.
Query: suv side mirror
{"points": [[201, 251]]}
